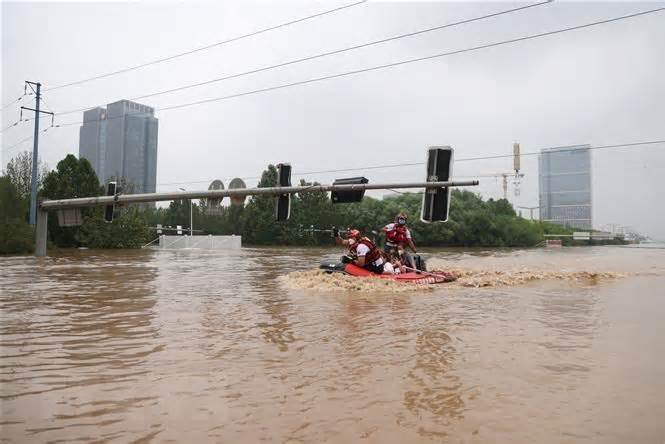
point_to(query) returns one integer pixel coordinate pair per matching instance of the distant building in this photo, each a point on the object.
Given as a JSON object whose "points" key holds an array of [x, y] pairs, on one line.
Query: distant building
{"points": [[120, 141], [565, 186]]}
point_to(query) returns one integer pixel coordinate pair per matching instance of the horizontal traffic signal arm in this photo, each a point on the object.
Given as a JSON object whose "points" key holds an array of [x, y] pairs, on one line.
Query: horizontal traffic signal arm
{"points": [[269, 191]]}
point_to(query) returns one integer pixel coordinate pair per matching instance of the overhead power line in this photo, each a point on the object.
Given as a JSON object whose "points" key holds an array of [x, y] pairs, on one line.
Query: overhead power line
{"points": [[11, 103], [10, 126], [22, 120], [464, 159], [9, 148], [203, 48], [498, 156], [323, 54], [413, 60], [22, 141], [395, 64]]}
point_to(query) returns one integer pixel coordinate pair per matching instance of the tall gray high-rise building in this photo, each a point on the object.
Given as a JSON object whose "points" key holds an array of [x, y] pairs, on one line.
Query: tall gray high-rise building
{"points": [[120, 141], [565, 186]]}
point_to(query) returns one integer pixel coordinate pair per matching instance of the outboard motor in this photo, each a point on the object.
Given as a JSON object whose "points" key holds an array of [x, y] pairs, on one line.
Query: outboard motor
{"points": [[335, 267], [419, 262]]}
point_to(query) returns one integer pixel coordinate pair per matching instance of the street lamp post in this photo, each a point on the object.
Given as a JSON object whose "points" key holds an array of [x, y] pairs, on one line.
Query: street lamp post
{"points": [[191, 213]]}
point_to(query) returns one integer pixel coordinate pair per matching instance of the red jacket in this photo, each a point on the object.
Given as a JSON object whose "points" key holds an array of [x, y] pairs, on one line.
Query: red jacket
{"points": [[397, 235], [374, 253]]}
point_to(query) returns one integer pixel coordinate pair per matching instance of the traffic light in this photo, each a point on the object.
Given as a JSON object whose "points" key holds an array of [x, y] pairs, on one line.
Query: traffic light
{"points": [[283, 201], [348, 196], [436, 201], [109, 209]]}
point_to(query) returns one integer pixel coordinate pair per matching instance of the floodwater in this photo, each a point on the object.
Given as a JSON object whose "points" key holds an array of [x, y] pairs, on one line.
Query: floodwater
{"points": [[562, 345]]}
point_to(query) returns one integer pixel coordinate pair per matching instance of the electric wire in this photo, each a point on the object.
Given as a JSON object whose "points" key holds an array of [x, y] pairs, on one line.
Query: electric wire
{"points": [[11, 103], [412, 60], [409, 164], [43, 100], [10, 126], [394, 64], [321, 55], [17, 144], [30, 119], [9, 148], [504, 42], [203, 48]]}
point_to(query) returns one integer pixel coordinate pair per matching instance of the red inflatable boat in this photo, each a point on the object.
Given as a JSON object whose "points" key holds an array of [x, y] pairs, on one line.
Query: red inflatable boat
{"points": [[423, 277]]}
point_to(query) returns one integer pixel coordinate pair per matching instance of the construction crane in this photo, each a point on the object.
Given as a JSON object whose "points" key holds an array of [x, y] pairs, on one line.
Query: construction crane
{"points": [[515, 174]]}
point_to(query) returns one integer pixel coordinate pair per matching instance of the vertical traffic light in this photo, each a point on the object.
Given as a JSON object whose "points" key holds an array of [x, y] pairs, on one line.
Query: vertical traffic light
{"points": [[283, 201], [436, 201], [109, 209]]}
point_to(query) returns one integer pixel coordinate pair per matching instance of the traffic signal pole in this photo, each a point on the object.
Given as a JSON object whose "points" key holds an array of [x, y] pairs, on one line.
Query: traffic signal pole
{"points": [[434, 208], [82, 202]]}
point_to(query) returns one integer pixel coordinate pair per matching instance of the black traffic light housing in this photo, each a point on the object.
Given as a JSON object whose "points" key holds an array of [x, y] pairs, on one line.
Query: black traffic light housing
{"points": [[436, 201], [283, 201], [348, 196], [109, 209]]}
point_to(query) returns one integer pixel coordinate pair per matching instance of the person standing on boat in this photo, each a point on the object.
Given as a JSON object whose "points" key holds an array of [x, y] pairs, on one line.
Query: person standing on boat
{"points": [[364, 253], [398, 237]]}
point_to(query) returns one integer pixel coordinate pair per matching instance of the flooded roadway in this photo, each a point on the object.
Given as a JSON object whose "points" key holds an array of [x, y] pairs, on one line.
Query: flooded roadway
{"points": [[190, 346]]}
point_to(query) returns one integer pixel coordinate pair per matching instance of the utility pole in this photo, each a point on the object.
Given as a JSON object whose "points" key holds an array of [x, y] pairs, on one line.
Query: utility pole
{"points": [[35, 148]]}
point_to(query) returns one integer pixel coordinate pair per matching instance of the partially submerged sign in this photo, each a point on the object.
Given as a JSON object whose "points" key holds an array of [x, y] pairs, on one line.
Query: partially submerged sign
{"points": [[69, 217]]}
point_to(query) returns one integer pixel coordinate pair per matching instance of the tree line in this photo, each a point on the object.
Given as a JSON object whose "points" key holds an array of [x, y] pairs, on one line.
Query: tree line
{"points": [[472, 220]]}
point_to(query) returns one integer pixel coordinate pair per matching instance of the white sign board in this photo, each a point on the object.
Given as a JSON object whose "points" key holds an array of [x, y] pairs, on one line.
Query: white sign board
{"points": [[70, 217], [581, 235]]}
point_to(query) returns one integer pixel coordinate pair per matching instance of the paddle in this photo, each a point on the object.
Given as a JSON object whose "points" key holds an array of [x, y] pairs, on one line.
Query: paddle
{"points": [[427, 273]]}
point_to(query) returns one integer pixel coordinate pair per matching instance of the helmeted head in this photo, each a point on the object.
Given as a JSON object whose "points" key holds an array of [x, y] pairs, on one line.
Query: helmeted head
{"points": [[353, 234], [400, 219]]}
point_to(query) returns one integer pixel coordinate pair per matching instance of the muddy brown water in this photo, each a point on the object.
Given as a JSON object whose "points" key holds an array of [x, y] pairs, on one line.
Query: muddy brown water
{"points": [[540, 345]]}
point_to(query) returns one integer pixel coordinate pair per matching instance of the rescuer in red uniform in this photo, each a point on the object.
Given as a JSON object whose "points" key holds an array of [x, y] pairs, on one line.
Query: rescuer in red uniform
{"points": [[398, 237], [364, 252]]}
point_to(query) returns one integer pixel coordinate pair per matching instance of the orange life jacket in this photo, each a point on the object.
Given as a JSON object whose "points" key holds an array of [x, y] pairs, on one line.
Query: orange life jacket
{"points": [[374, 253]]}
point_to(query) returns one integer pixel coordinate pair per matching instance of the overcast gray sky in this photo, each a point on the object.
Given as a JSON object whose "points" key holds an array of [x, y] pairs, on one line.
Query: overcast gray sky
{"points": [[600, 85]]}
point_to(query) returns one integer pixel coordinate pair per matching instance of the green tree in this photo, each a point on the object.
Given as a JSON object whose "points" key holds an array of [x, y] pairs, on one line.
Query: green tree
{"points": [[72, 178], [178, 213], [15, 233], [19, 171], [259, 225], [128, 230], [76, 178]]}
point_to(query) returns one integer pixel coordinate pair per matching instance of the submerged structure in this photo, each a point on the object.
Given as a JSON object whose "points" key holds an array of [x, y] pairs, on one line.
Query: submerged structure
{"points": [[208, 242]]}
